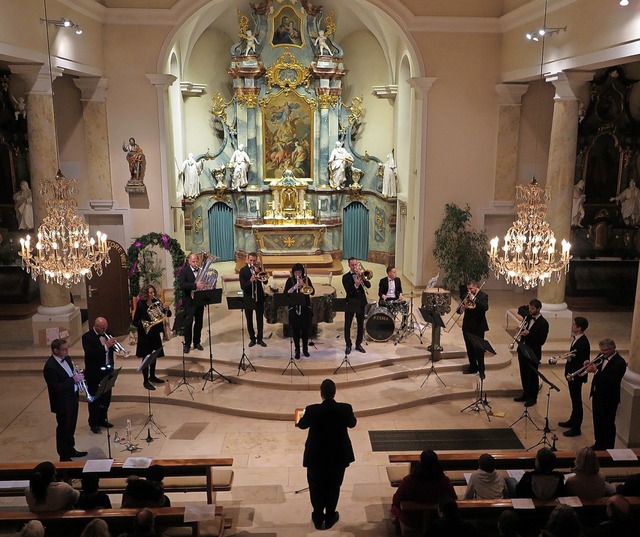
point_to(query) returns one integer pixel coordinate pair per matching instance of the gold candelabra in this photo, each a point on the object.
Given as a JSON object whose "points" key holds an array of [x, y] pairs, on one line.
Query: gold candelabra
{"points": [[64, 253], [529, 256]]}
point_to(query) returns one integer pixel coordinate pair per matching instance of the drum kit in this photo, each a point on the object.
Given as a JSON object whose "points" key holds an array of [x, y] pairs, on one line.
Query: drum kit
{"points": [[394, 317]]}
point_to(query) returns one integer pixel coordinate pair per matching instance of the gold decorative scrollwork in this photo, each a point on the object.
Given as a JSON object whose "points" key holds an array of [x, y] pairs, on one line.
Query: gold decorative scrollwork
{"points": [[197, 226], [330, 22], [327, 100], [219, 107], [356, 110], [250, 100], [288, 73], [243, 25]]}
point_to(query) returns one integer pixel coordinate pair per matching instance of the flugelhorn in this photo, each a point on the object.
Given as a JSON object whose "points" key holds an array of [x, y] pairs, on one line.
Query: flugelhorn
{"points": [[82, 385], [553, 360], [583, 370], [117, 347]]}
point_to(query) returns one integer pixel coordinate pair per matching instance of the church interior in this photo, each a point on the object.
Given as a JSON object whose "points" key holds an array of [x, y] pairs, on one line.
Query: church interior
{"points": [[313, 133]]}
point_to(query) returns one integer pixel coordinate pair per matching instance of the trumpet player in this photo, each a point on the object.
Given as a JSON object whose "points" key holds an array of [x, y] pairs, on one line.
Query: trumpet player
{"points": [[605, 392], [474, 307], [354, 285], [98, 362], [62, 385], [150, 338], [578, 353], [192, 322], [300, 316], [252, 290]]}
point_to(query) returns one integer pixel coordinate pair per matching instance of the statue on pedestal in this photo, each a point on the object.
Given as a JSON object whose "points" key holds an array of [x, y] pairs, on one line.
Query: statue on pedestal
{"points": [[137, 166], [23, 200], [190, 174], [338, 162], [577, 209], [239, 163], [629, 200], [389, 177]]}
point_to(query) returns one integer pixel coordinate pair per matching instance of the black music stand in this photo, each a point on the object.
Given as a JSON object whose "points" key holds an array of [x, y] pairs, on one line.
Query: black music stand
{"points": [[347, 305], [206, 297], [290, 300], [433, 318], [531, 357], [242, 303], [544, 441], [178, 326], [106, 385], [481, 401], [148, 361]]}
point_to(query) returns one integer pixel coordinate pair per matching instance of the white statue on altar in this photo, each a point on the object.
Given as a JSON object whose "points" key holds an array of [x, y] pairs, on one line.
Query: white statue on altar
{"points": [[338, 161], [190, 174], [389, 177], [240, 163]]}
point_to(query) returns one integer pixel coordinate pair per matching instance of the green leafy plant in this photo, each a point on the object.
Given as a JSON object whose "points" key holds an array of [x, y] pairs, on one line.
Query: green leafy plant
{"points": [[460, 252]]}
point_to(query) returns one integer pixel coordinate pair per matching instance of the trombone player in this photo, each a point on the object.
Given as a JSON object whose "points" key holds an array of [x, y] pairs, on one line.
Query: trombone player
{"points": [[192, 323], [354, 284], [474, 306], [300, 316], [251, 282]]}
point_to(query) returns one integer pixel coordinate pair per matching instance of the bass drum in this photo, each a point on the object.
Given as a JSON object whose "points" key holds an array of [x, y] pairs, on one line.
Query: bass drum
{"points": [[380, 325]]}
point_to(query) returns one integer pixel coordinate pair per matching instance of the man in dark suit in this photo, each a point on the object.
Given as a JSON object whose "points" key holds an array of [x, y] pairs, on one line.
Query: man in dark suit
{"points": [[474, 307], [354, 286], [63, 397], [253, 292], [390, 288], [192, 324], [327, 452], [579, 353], [98, 363], [605, 393], [533, 335]]}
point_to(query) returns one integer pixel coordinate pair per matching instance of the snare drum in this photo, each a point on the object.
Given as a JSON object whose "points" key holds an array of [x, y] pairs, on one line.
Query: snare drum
{"points": [[380, 324], [398, 307]]}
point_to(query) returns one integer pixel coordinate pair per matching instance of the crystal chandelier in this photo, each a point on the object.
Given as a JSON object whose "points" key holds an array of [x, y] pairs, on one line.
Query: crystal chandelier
{"points": [[64, 253], [529, 255]]}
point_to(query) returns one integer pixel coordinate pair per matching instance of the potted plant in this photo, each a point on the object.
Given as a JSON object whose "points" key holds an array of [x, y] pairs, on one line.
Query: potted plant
{"points": [[460, 252]]}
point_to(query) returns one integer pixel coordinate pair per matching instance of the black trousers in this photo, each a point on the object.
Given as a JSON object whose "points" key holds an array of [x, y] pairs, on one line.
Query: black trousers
{"points": [[324, 491], [474, 355], [575, 392], [259, 321], [66, 429], [528, 377], [348, 319], [604, 422], [300, 327], [193, 324]]}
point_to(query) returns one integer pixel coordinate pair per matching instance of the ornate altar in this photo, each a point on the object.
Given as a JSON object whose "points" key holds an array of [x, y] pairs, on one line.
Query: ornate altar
{"points": [[288, 201]]}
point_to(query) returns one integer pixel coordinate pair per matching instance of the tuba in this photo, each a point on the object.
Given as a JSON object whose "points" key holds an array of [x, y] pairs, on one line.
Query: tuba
{"points": [[156, 314], [207, 274]]}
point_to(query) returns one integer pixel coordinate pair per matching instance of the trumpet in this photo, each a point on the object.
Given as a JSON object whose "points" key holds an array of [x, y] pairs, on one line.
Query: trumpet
{"points": [[583, 370], [553, 360], [363, 273], [117, 346], [82, 385], [516, 338]]}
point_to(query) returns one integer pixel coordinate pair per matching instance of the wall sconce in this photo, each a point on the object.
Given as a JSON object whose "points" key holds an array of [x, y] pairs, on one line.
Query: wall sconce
{"points": [[536, 35], [64, 23]]}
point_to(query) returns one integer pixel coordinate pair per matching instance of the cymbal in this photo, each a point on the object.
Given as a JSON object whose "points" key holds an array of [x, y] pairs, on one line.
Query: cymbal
{"points": [[412, 295]]}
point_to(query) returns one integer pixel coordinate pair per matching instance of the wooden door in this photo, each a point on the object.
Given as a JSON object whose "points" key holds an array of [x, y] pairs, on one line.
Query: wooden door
{"points": [[108, 295]]}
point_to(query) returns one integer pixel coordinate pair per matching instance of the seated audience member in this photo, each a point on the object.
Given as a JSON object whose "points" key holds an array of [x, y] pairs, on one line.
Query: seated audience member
{"points": [[449, 523], [90, 496], [509, 524], [96, 528], [486, 483], [33, 528], [143, 525], [543, 482], [147, 492], [563, 522], [619, 522], [588, 481], [427, 483], [45, 493], [630, 487], [156, 474]]}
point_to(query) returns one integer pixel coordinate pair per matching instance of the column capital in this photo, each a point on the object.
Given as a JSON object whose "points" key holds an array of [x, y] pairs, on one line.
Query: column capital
{"points": [[568, 83], [36, 76], [161, 80], [511, 93], [422, 84], [92, 88]]}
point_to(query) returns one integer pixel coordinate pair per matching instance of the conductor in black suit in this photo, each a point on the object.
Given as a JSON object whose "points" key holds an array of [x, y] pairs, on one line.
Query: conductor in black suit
{"points": [[354, 286], [98, 363], [192, 327], [327, 452], [63, 397], [605, 394], [390, 287], [579, 353], [474, 307], [252, 290], [534, 335]]}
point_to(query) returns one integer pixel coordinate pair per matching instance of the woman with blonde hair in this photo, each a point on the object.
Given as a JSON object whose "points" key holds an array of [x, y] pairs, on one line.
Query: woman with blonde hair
{"points": [[588, 481]]}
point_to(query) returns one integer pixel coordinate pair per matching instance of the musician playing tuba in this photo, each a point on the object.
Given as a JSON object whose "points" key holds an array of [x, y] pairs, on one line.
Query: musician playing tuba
{"points": [[149, 320], [300, 316], [251, 282]]}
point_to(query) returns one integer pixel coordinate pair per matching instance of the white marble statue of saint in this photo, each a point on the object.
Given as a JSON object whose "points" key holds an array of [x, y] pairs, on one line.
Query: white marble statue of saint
{"points": [[23, 199], [389, 178], [240, 163], [338, 161], [629, 200], [190, 173], [577, 208]]}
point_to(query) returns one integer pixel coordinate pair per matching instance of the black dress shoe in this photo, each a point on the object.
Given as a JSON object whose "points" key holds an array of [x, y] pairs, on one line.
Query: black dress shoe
{"points": [[96, 430], [330, 523], [106, 425], [482, 375], [148, 386], [65, 459], [185, 349], [317, 524], [360, 348], [199, 347], [262, 343], [156, 380], [566, 424], [520, 399], [75, 453], [297, 355], [252, 343], [533, 402], [469, 371], [347, 350], [572, 432], [306, 353]]}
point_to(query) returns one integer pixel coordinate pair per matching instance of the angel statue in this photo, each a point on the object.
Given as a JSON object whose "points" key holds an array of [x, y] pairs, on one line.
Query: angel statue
{"points": [[252, 41], [321, 41]]}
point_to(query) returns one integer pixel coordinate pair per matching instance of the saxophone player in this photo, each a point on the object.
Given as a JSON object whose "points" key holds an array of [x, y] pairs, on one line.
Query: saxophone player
{"points": [[252, 290], [192, 325]]}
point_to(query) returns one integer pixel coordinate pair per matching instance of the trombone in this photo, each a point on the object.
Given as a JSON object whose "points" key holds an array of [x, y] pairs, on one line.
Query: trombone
{"points": [[516, 338], [306, 289], [469, 302], [364, 274]]}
